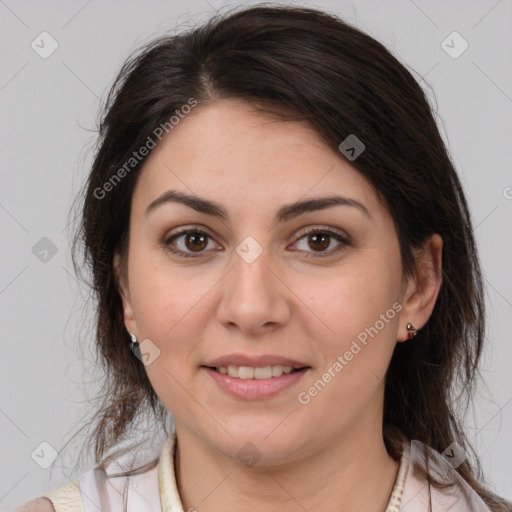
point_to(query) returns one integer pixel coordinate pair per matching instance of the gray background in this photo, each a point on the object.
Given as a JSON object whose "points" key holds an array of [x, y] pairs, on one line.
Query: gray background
{"points": [[48, 107]]}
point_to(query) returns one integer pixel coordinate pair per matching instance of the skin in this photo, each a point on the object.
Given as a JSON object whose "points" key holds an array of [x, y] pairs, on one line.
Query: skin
{"points": [[290, 302]]}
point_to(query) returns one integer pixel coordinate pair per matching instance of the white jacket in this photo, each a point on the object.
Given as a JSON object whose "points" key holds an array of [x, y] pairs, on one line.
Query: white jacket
{"points": [[96, 490]]}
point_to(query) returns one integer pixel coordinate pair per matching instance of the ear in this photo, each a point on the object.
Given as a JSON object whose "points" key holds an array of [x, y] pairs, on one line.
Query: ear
{"points": [[422, 289], [124, 290]]}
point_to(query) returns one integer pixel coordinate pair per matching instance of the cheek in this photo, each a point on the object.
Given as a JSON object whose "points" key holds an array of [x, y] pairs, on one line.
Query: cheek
{"points": [[361, 312], [169, 302], [358, 312], [168, 310], [354, 296], [163, 303]]}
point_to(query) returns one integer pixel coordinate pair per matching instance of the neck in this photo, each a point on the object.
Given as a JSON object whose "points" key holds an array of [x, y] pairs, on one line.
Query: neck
{"points": [[354, 469]]}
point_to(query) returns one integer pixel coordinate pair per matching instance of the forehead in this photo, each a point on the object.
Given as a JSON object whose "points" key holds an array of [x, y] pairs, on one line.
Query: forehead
{"points": [[232, 153]]}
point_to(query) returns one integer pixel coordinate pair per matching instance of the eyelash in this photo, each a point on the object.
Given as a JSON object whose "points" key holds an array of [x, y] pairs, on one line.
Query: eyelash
{"points": [[318, 254]]}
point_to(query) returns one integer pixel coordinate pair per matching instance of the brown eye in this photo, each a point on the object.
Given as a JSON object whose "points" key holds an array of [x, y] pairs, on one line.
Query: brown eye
{"points": [[187, 242], [196, 241], [319, 241]]}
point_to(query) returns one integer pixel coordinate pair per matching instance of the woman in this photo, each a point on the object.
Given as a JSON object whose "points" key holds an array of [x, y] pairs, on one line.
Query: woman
{"points": [[276, 231]]}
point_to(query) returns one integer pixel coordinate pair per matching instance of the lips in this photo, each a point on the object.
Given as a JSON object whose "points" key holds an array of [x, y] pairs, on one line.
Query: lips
{"points": [[291, 371], [255, 389], [254, 361]]}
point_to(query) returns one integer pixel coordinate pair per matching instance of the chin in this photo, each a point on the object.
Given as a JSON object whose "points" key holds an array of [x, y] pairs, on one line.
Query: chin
{"points": [[260, 446]]}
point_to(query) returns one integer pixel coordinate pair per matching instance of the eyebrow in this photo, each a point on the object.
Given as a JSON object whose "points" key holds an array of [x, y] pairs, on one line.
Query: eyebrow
{"points": [[285, 213]]}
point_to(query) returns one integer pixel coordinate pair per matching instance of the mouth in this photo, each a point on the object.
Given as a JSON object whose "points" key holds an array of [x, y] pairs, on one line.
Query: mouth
{"points": [[255, 373], [255, 383]]}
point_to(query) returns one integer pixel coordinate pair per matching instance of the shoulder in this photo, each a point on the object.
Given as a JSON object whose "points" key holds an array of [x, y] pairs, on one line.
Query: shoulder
{"points": [[37, 505], [64, 498]]}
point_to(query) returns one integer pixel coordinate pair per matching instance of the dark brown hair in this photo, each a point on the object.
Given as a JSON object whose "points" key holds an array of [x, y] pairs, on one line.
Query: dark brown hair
{"points": [[308, 65]]}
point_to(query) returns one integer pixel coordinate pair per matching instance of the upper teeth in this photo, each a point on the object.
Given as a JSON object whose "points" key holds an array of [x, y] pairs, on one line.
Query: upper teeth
{"points": [[249, 372]]}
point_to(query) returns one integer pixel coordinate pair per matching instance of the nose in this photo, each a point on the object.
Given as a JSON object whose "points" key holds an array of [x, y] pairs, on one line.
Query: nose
{"points": [[254, 297]]}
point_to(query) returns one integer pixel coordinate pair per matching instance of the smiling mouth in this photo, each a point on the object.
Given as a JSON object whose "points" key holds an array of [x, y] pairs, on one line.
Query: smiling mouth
{"points": [[255, 383], [255, 373]]}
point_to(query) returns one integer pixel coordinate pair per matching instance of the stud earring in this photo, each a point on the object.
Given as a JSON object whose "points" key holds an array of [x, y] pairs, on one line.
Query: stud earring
{"points": [[411, 331], [134, 344]]}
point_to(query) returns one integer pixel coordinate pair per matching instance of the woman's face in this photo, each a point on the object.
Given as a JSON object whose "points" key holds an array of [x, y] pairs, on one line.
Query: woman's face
{"points": [[253, 280]]}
